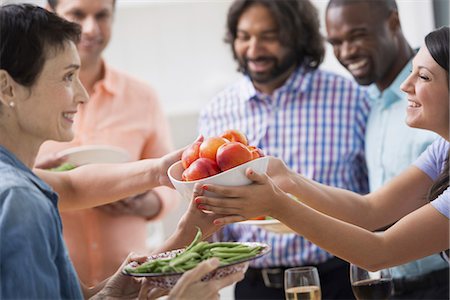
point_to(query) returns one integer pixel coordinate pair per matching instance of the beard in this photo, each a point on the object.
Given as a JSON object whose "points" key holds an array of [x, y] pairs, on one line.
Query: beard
{"points": [[366, 80], [279, 67]]}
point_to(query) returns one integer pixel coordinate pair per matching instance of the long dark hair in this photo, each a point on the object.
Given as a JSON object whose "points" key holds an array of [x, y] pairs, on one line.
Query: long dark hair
{"points": [[298, 24], [437, 43]]}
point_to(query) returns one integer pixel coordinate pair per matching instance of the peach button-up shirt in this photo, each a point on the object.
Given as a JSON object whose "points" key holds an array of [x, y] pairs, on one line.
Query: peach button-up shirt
{"points": [[122, 112]]}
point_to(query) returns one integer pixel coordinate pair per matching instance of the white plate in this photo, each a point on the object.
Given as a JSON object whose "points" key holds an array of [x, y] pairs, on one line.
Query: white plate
{"points": [[269, 225], [94, 154]]}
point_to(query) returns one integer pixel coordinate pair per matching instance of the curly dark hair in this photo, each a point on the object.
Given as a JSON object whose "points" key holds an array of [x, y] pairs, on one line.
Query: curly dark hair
{"points": [[298, 26], [27, 33], [54, 3]]}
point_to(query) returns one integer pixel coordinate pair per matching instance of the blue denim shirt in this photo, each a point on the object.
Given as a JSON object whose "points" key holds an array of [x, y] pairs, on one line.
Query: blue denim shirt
{"points": [[34, 262], [391, 147]]}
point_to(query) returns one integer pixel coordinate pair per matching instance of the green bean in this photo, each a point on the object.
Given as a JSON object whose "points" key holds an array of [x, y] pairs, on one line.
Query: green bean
{"points": [[222, 255], [222, 244], [197, 251], [181, 259], [63, 167], [166, 269], [231, 250], [178, 269], [239, 257], [197, 248], [144, 268], [206, 254], [198, 238], [188, 265]]}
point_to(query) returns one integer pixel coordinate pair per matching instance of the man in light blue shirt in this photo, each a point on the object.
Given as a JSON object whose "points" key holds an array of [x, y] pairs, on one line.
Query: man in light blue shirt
{"points": [[387, 133], [368, 41]]}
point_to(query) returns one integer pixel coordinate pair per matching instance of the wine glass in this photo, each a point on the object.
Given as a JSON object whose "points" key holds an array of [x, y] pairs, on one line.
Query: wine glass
{"points": [[371, 285], [302, 283]]}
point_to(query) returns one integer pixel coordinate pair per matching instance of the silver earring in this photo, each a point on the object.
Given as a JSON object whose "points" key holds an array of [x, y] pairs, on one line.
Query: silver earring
{"points": [[12, 104]]}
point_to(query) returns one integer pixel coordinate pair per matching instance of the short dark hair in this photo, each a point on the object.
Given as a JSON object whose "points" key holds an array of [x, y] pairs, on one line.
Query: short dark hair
{"points": [[27, 34], [381, 7], [437, 44], [54, 3], [298, 23]]}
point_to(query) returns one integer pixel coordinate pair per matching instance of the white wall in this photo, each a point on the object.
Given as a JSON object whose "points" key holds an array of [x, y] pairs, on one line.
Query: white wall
{"points": [[178, 47]]}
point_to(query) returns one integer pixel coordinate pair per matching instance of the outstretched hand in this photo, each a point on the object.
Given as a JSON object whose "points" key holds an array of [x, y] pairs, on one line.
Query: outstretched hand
{"points": [[169, 159], [50, 161], [279, 173], [242, 202], [190, 286], [120, 286], [197, 218]]}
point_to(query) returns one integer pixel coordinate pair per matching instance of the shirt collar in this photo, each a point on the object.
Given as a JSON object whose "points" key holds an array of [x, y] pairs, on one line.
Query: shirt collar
{"points": [[107, 83], [393, 92], [299, 81], [10, 159]]}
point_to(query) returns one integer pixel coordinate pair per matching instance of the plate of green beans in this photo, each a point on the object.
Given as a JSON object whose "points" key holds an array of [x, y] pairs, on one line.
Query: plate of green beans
{"points": [[164, 269]]}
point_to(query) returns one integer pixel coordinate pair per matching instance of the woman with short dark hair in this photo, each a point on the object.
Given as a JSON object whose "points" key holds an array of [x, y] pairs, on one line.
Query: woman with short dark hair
{"points": [[40, 92]]}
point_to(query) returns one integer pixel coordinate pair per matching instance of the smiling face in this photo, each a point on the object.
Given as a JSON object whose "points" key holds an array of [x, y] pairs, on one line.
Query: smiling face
{"points": [[428, 95], [259, 50], [46, 110], [95, 18], [363, 41]]}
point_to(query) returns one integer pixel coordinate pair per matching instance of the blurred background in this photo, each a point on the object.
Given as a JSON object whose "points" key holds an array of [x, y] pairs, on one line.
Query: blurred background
{"points": [[177, 47]]}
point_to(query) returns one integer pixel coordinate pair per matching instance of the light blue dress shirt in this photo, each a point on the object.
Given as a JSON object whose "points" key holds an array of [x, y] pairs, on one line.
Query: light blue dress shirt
{"points": [[34, 262], [391, 147]]}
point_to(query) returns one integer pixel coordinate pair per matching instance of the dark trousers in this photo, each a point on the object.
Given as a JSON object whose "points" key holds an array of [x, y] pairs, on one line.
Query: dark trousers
{"points": [[269, 283], [434, 285]]}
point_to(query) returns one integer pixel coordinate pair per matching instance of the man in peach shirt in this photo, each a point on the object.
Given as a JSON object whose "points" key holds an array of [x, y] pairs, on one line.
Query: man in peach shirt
{"points": [[122, 112]]}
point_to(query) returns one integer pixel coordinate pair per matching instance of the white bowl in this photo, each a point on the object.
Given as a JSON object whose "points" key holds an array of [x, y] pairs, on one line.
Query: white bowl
{"points": [[89, 154], [232, 177]]}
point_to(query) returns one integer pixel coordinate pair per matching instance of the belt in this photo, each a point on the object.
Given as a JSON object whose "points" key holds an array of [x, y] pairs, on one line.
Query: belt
{"points": [[426, 281], [274, 277]]}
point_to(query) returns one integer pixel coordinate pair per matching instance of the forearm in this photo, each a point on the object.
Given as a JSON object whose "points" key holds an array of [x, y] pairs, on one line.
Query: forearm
{"points": [[93, 185], [179, 239], [338, 203], [89, 292], [407, 240]]}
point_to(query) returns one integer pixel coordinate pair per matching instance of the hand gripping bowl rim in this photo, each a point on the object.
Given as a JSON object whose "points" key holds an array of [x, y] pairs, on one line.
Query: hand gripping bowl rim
{"points": [[174, 165]]}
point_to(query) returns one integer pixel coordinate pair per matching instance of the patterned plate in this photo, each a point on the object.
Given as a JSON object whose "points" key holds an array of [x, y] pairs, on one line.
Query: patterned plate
{"points": [[168, 280]]}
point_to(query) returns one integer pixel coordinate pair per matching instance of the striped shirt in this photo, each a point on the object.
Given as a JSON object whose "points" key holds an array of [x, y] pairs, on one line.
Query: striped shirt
{"points": [[316, 123]]}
